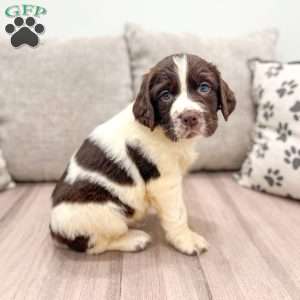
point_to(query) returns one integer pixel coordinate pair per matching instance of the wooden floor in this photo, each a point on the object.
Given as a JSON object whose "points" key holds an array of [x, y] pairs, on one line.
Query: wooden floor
{"points": [[254, 251]]}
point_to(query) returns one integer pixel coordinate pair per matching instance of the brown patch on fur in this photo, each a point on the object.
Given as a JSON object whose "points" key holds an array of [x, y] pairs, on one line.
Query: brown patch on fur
{"points": [[228, 101], [147, 169], [93, 158], [83, 191], [148, 109], [79, 244], [200, 71], [142, 108], [221, 96]]}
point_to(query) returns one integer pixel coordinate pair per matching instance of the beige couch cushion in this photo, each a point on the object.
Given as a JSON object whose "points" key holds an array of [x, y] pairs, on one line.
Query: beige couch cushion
{"points": [[228, 147], [52, 96]]}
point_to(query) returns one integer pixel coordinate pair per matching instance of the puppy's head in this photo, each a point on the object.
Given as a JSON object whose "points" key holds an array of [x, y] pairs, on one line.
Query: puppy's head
{"points": [[182, 94]]}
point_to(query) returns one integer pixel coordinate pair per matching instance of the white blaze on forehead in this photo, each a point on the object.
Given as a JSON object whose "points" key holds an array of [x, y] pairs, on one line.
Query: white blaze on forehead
{"points": [[182, 68], [183, 102]]}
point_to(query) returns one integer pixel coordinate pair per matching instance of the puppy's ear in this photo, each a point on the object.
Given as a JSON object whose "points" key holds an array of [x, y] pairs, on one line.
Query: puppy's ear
{"points": [[142, 108], [227, 101]]}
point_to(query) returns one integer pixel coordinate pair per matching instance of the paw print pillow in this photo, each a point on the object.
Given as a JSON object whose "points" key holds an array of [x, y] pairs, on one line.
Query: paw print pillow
{"points": [[273, 163]]}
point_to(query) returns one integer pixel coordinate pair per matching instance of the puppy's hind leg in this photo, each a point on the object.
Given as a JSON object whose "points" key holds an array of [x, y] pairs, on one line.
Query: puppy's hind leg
{"points": [[94, 229], [99, 246], [134, 240], [131, 241], [114, 235]]}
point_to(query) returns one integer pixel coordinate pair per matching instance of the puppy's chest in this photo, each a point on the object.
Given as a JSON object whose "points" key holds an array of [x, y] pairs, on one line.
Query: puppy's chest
{"points": [[171, 160], [186, 159]]}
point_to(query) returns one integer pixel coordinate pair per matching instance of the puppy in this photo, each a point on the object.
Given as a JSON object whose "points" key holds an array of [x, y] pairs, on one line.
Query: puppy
{"points": [[137, 160]]}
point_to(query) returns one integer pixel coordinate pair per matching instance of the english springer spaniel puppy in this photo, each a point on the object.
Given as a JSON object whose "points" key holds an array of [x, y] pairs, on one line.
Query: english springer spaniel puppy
{"points": [[137, 159]]}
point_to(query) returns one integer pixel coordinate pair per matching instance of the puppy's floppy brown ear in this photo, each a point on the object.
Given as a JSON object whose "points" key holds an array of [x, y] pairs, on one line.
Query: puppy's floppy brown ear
{"points": [[227, 101], [142, 108]]}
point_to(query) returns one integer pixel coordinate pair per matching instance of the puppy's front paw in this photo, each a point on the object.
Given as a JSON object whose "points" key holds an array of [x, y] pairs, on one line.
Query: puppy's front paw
{"points": [[200, 242], [190, 243]]}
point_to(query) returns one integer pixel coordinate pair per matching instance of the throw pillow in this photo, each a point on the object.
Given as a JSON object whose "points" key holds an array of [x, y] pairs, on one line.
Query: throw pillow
{"points": [[273, 164]]}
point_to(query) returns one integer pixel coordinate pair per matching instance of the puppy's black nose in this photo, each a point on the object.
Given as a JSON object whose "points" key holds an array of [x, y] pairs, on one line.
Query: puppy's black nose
{"points": [[190, 118]]}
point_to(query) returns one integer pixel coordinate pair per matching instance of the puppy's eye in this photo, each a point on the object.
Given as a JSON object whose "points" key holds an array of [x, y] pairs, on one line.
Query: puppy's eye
{"points": [[204, 88], [165, 96]]}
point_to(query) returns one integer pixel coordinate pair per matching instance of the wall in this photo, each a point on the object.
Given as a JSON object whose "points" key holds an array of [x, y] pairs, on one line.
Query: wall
{"points": [[213, 18]]}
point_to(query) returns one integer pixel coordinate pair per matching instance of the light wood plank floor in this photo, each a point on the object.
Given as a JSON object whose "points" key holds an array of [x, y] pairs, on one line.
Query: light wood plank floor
{"points": [[254, 251]]}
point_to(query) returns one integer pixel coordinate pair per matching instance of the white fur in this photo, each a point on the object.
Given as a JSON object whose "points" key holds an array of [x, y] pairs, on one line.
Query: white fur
{"points": [[104, 223], [183, 102]]}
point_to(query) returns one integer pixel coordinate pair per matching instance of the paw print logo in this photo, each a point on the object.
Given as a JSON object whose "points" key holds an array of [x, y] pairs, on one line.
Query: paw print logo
{"points": [[295, 109], [292, 157], [268, 110], [274, 70], [273, 177], [283, 131], [287, 88], [24, 33]]}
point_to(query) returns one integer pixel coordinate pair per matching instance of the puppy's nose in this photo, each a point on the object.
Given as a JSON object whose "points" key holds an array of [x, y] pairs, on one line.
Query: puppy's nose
{"points": [[190, 118]]}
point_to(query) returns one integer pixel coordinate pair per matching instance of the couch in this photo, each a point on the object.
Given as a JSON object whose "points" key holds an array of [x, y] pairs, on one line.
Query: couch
{"points": [[254, 238]]}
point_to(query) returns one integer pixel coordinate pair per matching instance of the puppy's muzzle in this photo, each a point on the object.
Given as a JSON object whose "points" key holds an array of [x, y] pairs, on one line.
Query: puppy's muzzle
{"points": [[192, 122], [191, 119]]}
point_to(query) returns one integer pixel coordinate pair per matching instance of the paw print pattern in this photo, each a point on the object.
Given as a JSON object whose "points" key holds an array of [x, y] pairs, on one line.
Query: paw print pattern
{"points": [[24, 33], [247, 168], [295, 109], [287, 88], [261, 150], [273, 177], [258, 92], [268, 110], [258, 188], [283, 131], [292, 157], [259, 135], [274, 70]]}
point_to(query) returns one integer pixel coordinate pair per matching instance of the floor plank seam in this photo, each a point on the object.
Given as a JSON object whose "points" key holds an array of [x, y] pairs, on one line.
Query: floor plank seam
{"points": [[121, 277], [16, 206], [207, 287], [220, 188]]}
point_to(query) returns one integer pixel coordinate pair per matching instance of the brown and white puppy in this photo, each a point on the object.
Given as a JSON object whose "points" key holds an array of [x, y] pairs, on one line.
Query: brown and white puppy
{"points": [[137, 160]]}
